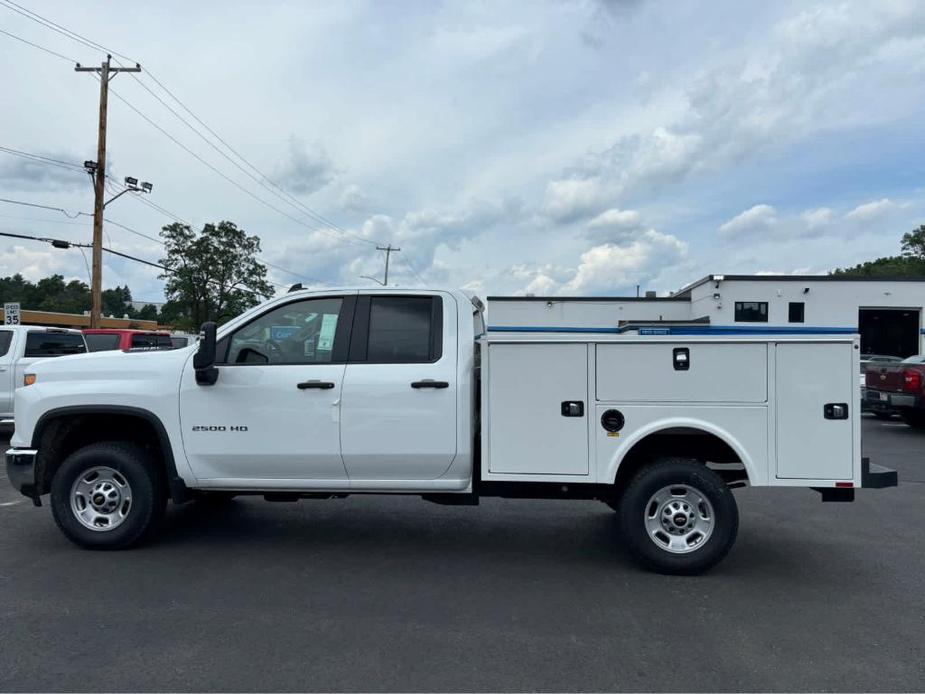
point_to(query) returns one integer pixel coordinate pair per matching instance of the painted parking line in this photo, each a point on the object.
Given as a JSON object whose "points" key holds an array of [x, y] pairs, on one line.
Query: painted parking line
{"points": [[10, 503]]}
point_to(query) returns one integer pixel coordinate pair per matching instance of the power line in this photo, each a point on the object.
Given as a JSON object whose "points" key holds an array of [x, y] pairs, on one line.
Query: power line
{"points": [[61, 243], [408, 265], [43, 221], [46, 207], [299, 275], [74, 36], [289, 198], [35, 45], [261, 179], [267, 183], [40, 159]]}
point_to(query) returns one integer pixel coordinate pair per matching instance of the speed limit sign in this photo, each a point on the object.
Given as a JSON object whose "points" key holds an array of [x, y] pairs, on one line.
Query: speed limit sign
{"points": [[11, 314]]}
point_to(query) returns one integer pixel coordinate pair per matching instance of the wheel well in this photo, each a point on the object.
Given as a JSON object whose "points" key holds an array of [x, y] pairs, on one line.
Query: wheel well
{"points": [[63, 434], [683, 442]]}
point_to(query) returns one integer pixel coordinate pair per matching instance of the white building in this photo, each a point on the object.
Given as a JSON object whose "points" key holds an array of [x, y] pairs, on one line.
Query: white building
{"points": [[886, 313]]}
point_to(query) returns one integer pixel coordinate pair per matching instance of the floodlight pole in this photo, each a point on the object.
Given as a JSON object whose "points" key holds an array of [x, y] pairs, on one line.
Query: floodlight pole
{"points": [[106, 73], [388, 251]]}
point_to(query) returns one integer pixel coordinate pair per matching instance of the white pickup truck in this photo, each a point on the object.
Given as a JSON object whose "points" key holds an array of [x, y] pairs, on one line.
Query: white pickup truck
{"points": [[23, 345], [321, 394]]}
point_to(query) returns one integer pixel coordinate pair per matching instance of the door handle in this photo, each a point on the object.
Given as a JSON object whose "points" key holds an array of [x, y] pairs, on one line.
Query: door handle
{"points": [[429, 383], [320, 385]]}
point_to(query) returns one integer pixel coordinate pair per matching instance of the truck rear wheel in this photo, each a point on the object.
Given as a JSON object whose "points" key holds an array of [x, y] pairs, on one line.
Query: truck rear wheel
{"points": [[678, 517], [107, 495]]}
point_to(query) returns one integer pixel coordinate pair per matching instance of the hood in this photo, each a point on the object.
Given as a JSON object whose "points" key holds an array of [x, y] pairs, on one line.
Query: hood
{"points": [[109, 364]]}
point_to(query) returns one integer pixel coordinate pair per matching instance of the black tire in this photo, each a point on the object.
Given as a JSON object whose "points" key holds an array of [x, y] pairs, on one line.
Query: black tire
{"points": [[914, 418], [635, 509], [127, 462]]}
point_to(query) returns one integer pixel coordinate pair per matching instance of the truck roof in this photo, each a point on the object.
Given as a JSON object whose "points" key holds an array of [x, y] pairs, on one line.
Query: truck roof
{"points": [[38, 328], [122, 331]]}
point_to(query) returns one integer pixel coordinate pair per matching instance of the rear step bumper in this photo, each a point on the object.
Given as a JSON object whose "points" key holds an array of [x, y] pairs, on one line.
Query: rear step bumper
{"points": [[875, 476]]}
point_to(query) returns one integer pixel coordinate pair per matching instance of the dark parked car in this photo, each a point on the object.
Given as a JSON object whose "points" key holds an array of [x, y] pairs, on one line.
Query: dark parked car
{"points": [[898, 388]]}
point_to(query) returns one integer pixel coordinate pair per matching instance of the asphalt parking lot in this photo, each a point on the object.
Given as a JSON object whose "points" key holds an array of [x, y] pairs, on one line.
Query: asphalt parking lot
{"points": [[377, 593]]}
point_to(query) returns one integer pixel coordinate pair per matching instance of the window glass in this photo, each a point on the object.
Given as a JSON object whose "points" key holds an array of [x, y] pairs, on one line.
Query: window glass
{"points": [[102, 342], [48, 344], [301, 332], [796, 310], [179, 342], [400, 329], [751, 311], [142, 342], [6, 337]]}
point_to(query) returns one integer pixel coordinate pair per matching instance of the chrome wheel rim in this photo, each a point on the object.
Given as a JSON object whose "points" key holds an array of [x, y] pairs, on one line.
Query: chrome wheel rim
{"points": [[101, 498], [679, 519]]}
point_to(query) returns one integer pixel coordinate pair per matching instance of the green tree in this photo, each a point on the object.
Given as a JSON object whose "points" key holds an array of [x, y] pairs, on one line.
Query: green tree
{"points": [[911, 263], [117, 302], [213, 275], [147, 312], [54, 294]]}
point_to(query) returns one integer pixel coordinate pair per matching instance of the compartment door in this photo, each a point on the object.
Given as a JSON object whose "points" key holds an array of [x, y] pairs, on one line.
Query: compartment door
{"points": [[809, 377], [529, 429]]}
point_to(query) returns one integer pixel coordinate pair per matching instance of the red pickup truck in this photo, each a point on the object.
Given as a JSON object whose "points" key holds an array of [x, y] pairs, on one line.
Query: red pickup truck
{"points": [[103, 339], [898, 388]]}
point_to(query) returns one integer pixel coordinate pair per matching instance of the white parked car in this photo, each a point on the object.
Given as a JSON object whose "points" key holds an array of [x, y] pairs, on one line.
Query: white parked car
{"points": [[23, 345], [328, 393]]}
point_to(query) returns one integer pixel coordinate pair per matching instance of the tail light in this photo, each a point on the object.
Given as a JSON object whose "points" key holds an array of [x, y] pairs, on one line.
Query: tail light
{"points": [[912, 381]]}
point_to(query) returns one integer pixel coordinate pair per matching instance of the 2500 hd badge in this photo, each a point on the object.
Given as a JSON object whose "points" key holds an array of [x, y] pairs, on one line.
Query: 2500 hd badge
{"points": [[220, 428]]}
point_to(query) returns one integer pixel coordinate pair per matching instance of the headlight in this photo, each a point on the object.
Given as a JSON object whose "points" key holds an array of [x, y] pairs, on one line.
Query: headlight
{"points": [[28, 379]]}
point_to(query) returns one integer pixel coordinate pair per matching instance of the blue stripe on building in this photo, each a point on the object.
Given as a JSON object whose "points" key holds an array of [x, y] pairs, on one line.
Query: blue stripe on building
{"points": [[688, 330]]}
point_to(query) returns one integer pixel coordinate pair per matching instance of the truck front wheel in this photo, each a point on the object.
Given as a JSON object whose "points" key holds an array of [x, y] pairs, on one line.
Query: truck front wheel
{"points": [[678, 517], [107, 495]]}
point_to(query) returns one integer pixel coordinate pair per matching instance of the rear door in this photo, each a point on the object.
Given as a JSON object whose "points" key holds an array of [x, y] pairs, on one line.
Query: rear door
{"points": [[398, 415], [6, 370], [811, 379]]}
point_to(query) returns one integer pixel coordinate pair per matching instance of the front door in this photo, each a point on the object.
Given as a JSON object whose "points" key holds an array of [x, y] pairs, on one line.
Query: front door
{"points": [[398, 417], [273, 414]]}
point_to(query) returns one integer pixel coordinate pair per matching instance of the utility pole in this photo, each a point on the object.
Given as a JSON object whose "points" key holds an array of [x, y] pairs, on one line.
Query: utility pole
{"points": [[106, 73], [389, 250]]}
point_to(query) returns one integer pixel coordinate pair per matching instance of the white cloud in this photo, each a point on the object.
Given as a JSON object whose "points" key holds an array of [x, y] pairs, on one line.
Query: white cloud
{"points": [[817, 218], [756, 219], [307, 168], [871, 211], [353, 199], [610, 266], [615, 219], [571, 199], [614, 226], [605, 268], [681, 113]]}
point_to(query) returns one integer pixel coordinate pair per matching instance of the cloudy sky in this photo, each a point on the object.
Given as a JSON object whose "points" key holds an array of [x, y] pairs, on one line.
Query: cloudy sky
{"points": [[567, 147]]}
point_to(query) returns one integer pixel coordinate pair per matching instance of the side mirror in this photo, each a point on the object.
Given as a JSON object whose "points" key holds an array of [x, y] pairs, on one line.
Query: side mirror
{"points": [[204, 359]]}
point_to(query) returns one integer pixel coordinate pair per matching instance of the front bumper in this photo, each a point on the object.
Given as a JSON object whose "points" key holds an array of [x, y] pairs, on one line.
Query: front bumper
{"points": [[21, 470]]}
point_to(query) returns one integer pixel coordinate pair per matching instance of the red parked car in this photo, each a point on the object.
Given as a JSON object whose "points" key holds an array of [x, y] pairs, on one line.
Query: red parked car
{"points": [[899, 388], [103, 339]]}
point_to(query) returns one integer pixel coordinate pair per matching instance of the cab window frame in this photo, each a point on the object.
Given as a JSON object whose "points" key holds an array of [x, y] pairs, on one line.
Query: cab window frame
{"points": [[359, 346], [6, 343], [341, 333]]}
